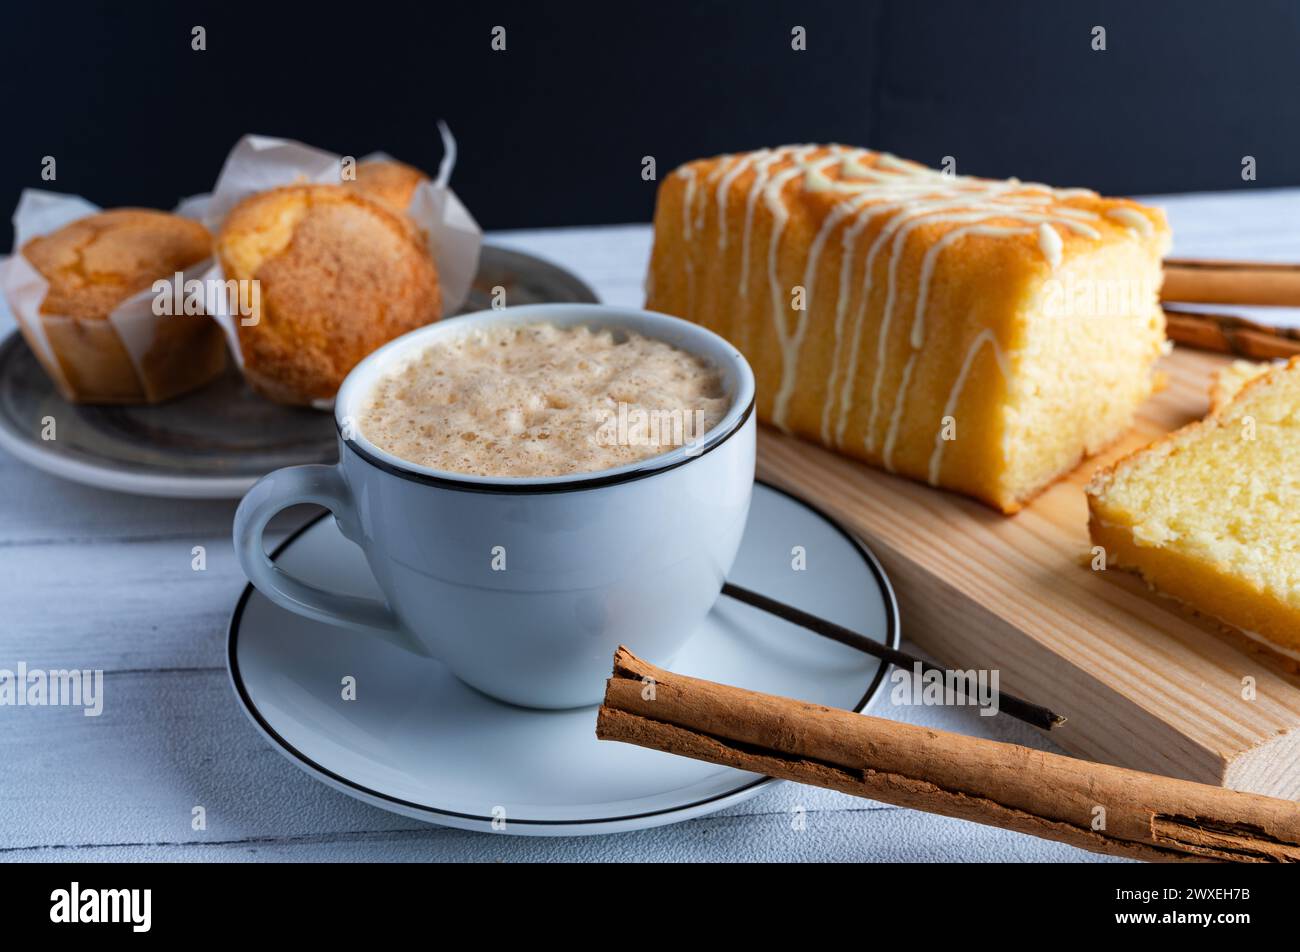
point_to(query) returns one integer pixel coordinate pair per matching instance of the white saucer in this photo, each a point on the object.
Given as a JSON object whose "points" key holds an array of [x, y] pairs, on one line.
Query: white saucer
{"points": [[418, 742]]}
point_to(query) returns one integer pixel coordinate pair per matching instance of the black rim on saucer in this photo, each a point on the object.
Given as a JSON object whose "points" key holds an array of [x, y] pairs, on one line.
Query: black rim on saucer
{"points": [[232, 661]]}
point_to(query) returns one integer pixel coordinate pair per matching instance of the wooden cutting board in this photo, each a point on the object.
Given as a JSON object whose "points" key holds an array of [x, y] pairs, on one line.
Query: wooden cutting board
{"points": [[1144, 683]]}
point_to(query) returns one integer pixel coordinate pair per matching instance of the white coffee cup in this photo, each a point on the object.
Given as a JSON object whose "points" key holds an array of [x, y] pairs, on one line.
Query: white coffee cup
{"points": [[523, 587]]}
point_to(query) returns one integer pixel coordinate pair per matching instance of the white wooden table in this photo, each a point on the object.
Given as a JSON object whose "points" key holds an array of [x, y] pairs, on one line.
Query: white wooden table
{"points": [[91, 579]]}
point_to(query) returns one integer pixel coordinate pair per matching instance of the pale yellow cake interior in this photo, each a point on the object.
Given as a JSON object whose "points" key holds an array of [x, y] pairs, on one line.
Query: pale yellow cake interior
{"points": [[1091, 335], [1211, 513]]}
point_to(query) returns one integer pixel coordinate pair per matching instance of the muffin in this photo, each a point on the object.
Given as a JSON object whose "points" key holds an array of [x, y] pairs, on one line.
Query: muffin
{"points": [[387, 181], [91, 267], [338, 275]]}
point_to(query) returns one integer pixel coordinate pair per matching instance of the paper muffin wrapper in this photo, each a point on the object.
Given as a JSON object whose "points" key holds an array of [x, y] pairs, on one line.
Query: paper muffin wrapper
{"points": [[259, 163], [134, 321]]}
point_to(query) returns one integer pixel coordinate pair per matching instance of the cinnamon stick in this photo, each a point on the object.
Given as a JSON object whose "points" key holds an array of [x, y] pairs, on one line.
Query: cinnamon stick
{"points": [[1093, 806], [1207, 281], [1228, 334]]}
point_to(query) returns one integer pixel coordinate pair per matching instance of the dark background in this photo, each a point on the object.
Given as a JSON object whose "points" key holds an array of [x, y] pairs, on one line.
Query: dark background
{"points": [[552, 130]]}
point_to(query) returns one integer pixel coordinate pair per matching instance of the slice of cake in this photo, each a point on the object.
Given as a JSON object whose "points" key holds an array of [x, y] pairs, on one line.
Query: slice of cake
{"points": [[1229, 381], [1210, 514], [979, 335]]}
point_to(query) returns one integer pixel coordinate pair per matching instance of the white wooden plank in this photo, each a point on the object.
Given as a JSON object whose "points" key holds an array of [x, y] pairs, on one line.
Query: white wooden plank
{"points": [[128, 781], [1258, 225], [612, 260], [36, 508], [136, 606], [1253, 223], [169, 740], [848, 835], [617, 253], [165, 743]]}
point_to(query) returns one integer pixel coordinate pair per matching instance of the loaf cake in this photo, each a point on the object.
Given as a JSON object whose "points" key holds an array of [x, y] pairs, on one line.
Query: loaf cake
{"points": [[338, 275], [979, 335], [1210, 514], [92, 266]]}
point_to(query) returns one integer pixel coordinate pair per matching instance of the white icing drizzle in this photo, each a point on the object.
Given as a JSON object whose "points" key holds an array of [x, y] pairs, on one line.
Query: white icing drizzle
{"points": [[755, 189], [911, 196], [788, 342], [950, 406], [724, 186], [1065, 211], [855, 348], [716, 172], [849, 241], [904, 224], [1131, 218], [688, 195], [917, 336], [887, 160], [1049, 242], [791, 345], [816, 181], [711, 179], [851, 168], [687, 173], [887, 455]]}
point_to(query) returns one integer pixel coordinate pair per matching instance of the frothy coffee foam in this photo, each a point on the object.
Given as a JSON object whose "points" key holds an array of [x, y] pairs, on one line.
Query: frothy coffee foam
{"points": [[540, 400]]}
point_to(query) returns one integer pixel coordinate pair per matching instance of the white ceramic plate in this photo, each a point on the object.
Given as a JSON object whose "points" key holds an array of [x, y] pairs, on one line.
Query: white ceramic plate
{"points": [[418, 742], [216, 442]]}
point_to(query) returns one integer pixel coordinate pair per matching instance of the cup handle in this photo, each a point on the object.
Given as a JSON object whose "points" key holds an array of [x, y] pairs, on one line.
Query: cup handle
{"points": [[324, 486]]}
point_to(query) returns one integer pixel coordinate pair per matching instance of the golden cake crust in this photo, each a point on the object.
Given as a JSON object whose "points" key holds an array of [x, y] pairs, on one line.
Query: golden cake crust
{"points": [[95, 263], [339, 275], [1230, 381], [893, 313], [388, 181]]}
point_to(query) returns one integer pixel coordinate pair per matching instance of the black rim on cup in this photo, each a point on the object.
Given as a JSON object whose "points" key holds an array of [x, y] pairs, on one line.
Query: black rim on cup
{"points": [[450, 481]]}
